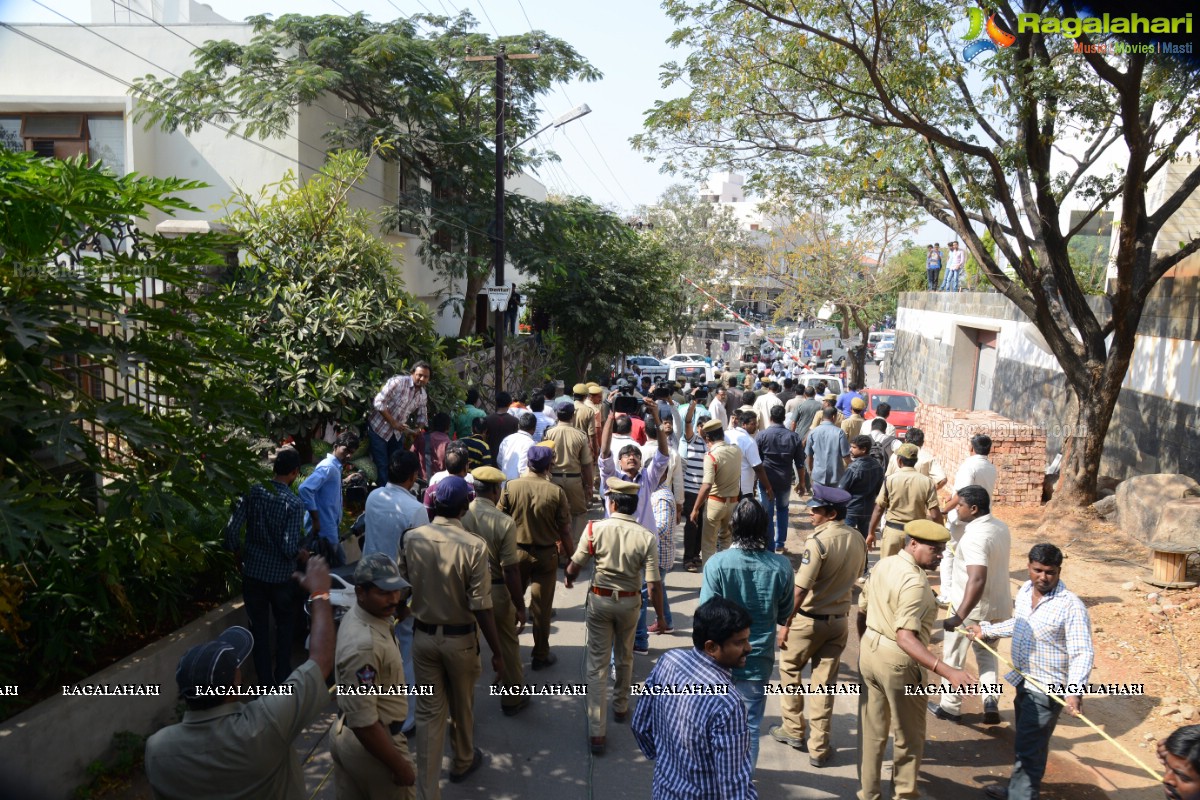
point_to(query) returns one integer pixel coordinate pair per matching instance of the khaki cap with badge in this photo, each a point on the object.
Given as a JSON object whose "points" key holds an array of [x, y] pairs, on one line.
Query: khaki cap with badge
{"points": [[488, 475], [908, 450], [379, 570], [622, 487], [579, 388], [927, 531], [712, 425]]}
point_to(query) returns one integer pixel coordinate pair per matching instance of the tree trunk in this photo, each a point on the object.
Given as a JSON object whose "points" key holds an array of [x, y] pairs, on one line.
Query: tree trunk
{"points": [[1088, 419], [475, 283], [857, 374]]}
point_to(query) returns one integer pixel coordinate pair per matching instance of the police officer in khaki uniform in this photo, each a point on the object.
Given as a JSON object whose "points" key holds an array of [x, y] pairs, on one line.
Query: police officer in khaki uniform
{"points": [[596, 401], [370, 753], [834, 556], [573, 465], [452, 600], [585, 415], [719, 490], [499, 534], [624, 551], [542, 514], [896, 614], [906, 495]]}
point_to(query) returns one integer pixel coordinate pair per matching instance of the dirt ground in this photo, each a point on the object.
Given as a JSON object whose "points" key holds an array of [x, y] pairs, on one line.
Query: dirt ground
{"points": [[1141, 634]]}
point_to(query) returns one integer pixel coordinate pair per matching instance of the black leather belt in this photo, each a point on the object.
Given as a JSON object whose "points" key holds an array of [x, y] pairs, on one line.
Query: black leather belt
{"points": [[528, 547], [447, 630], [567, 474], [396, 728], [896, 526], [821, 617], [497, 581]]}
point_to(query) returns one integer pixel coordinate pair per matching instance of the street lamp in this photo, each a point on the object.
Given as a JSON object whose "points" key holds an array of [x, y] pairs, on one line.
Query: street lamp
{"points": [[572, 115]]}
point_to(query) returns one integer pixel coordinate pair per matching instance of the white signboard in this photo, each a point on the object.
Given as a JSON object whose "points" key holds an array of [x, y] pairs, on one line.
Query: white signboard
{"points": [[498, 297]]}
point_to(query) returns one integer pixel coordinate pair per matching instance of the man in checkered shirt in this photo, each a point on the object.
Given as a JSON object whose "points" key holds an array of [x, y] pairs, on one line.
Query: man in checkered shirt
{"points": [[387, 424], [1052, 644]]}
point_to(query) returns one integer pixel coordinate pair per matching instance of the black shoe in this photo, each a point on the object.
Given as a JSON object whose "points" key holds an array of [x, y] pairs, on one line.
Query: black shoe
{"points": [[991, 712], [996, 792], [513, 710], [777, 733], [476, 763], [542, 663], [942, 713], [597, 745], [620, 716]]}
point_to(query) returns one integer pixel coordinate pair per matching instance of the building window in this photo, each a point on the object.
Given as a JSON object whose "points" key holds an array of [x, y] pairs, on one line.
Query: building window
{"points": [[101, 137], [409, 198]]}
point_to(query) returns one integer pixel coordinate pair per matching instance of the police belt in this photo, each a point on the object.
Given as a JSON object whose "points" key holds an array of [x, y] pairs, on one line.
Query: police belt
{"points": [[567, 474], [820, 617], [883, 640], [606, 592], [530, 547], [896, 526], [497, 581], [447, 630]]}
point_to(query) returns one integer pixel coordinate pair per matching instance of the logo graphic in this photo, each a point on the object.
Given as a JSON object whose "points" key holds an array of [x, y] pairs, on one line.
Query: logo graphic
{"points": [[996, 31]]}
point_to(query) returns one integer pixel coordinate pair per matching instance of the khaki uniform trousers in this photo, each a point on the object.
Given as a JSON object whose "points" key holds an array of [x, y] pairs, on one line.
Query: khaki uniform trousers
{"points": [[539, 569], [611, 625], [358, 775], [892, 543], [717, 534], [886, 670], [510, 650], [577, 499], [820, 643], [449, 664]]}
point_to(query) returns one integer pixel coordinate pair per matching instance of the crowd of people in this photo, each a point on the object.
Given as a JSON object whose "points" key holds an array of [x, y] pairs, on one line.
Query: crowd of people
{"points": [[510, 508]]}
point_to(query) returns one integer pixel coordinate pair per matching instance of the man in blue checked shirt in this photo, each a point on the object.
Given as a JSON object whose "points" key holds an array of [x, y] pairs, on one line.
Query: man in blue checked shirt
{"points": [[322, 495], [273, 517], [1052, 644], [699, 740]]}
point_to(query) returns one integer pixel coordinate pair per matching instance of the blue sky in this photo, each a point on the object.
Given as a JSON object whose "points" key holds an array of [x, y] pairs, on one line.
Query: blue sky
{"points": [[624, 39]]}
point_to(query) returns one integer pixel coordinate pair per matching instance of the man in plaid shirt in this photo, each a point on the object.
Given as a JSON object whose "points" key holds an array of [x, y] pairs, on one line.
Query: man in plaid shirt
{"points": [[273, 516], [401, 397], [1052, 644]]}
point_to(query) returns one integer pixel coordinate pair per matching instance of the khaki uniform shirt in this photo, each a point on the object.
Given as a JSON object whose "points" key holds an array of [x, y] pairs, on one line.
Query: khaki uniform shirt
{"points": [[926, 465], [852, 425], [239, 750], [907, 495], [499, 534], [585, 419], [448, 570], [834, 556], [897, 596], [723, 471], [622, 549], [539, 508], [367, 656], [819, 417]]}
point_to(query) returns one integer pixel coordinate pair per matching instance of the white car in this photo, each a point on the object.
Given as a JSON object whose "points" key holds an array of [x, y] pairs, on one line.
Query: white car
{"points": [[884, 349], [687, 358], [647, 365], [692, 372]]}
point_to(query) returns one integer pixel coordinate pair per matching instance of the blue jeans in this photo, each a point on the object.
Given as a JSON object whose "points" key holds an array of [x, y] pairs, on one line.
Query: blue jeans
{"points": [[862, 523], [404, 639], [642, 637], [381, 454], [950, 280], [1036, 717], [931, 279], [755, 699], [781, 513]]}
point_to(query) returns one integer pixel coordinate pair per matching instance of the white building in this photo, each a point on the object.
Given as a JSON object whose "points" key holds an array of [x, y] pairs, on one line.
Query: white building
{"points": [[64, 90]]}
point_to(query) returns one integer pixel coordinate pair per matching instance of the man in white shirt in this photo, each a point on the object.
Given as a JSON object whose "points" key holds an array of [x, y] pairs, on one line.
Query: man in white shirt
{"points": [[515, 447], [763, 405], [927, 463], [741, 435], [674, 475], [954, 268], [976, 470], [718, 408], [979, 592]]}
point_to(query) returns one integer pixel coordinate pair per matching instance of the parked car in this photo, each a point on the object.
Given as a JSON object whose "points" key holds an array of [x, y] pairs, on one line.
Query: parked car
{"points": [[688, 358], [904, 407], [647, 365], [832, 382], [691, 373], [883, 350], [877, 338]]}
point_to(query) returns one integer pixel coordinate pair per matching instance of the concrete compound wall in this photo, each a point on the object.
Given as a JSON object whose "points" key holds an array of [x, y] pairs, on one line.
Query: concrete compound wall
{"points": [[1156, 424], [45, 750], [1017, 450]]}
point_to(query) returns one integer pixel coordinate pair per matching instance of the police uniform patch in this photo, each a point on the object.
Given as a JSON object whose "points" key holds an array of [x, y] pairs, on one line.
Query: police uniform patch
{"points": [[804, 559], [366, 676]]}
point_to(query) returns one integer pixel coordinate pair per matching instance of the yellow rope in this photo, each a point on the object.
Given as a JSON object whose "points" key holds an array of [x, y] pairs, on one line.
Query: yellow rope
{"points": [[1061, 702], [322, 783]]}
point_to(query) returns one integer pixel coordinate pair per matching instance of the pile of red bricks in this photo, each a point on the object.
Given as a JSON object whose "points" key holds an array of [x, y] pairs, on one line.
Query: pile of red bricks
{"points": [[1018, 450]]}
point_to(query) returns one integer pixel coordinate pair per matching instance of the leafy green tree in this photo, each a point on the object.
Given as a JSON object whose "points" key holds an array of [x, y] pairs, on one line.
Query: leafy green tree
{"points": [[433, 111], [320, 292], [856, 102], [603, 284], [118, 422]]}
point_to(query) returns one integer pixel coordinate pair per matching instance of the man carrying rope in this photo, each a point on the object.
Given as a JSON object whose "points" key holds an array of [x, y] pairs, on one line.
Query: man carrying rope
{"points": [[1052, 646]]}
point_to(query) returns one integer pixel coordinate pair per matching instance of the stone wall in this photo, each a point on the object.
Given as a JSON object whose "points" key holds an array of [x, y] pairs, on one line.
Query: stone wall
{"points": [[1156, 424], [1018, 450]]}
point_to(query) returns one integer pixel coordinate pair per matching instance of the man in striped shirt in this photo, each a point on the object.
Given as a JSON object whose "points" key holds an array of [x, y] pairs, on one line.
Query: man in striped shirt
{"points": [[1052, 644], [691, 453], [387, 424], [699, 741]]}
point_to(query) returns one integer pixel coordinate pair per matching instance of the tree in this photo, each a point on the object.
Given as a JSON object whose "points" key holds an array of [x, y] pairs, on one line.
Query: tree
{"points": [[602, 283], [321, 294], [821, 260], [433, 112], [121, 435], [705, 239], [874, 102]]}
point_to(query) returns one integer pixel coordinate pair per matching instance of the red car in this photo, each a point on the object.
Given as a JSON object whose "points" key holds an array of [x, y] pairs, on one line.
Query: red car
{"points": [[904, 408]]}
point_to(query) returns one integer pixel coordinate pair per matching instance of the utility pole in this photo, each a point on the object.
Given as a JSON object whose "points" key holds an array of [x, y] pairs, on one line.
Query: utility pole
{"points": [[498, 320]]}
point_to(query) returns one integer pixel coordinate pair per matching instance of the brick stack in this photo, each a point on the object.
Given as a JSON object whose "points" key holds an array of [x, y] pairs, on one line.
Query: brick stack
{"points": [[1018, 450]]}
